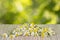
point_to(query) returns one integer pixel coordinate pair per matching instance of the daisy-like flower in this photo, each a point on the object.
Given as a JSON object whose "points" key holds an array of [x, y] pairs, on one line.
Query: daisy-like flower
{"points": [[4, 36], [51, 32], [17, 34], [11, 37], [43, 32]]}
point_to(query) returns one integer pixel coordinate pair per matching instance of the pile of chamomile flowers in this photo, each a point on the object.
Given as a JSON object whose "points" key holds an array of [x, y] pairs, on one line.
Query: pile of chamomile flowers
{"points": [[30, 30]]}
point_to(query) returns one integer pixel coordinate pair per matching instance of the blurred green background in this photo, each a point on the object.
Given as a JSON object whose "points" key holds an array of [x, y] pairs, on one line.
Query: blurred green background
{"points": [[30, 11]]}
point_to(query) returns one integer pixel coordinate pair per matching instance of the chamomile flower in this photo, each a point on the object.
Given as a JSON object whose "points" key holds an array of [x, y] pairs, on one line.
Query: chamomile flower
{"points": [[17, 34], [11, 36], [51, 32], [5, 35]]}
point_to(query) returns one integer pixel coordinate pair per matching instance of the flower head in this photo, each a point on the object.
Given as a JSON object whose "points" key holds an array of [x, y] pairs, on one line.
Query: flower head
{"points": [[5, 35], [11, 36]]}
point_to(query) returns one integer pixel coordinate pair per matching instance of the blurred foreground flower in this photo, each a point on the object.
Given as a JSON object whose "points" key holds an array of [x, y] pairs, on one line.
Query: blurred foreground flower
{"points": [[4, 36], [11, 37]]}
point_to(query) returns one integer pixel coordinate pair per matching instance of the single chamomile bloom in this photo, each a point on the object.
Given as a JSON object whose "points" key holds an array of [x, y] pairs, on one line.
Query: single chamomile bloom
{"points": [[17, 34], [5, 35], [11, 36]]}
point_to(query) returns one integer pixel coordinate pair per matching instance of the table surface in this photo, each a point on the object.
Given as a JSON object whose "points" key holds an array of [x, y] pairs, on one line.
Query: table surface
{"points": [[7, 28]]}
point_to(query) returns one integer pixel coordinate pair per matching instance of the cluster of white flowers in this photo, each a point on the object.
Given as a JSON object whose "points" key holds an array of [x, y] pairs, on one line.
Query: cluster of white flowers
{"points": [[30, 30]]}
